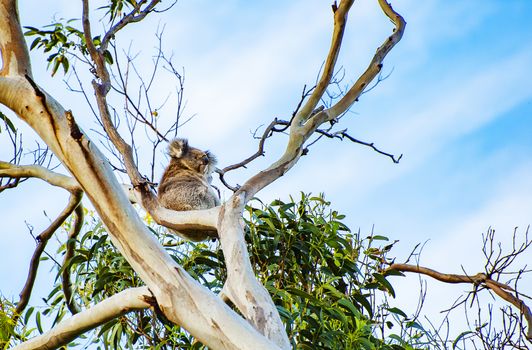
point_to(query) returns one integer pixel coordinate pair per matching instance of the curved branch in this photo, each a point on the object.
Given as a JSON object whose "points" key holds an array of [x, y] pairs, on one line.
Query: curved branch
{"points": [[340, 19], [148, 198], [242, 286], [67, 330], [307, 120], [369, 74], [501, 289], [40, 172], [70, 246], [134, 16], [42, 240]]}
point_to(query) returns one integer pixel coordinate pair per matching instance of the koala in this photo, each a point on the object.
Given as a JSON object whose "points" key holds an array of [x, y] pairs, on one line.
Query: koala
{"points": [[185, 184]]}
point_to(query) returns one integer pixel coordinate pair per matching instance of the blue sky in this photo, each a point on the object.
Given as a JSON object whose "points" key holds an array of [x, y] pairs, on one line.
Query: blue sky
{"points": [[458, 105]]}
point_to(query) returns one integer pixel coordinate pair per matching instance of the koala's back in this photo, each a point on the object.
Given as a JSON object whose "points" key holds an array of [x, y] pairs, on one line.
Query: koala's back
{"points": [[185, 182], [183, 189]]}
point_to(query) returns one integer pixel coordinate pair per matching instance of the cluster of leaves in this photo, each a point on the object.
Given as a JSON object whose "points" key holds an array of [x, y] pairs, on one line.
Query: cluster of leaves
{"points": [[323, 278], [62, 41]]}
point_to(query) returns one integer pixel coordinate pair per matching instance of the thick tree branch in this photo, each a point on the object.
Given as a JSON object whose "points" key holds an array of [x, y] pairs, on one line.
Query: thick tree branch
{"points": [[242, 287], [40, 172], [67, 330], [480, 279], [180, 298], [206, 219], [15, 58]]}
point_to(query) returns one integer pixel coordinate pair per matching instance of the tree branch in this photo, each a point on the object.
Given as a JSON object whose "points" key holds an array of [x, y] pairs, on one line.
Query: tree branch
{"points": [[15, 58], [182, 221], [40, 172], [76, 226], [501, 289], [308, 119], [340, 19], [135, 15], [42, 240], [374, 67], [67, 330], [241, 282], [181, 298], [148, 198]]}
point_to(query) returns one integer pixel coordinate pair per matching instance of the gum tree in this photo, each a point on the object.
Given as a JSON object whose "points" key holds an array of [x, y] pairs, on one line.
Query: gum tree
{"points": [[169, 289]]}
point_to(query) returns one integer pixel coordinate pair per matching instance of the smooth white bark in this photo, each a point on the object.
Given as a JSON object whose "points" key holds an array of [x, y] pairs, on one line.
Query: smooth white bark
{"points": [[182, 299]]}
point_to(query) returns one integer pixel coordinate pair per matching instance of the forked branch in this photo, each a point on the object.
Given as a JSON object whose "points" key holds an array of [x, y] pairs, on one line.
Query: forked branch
{"points": [[479, 280], [241, 282], [55, 179]]}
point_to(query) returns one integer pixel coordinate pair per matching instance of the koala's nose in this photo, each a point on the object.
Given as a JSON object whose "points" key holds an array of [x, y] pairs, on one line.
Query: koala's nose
{"points": [[205, 160]]}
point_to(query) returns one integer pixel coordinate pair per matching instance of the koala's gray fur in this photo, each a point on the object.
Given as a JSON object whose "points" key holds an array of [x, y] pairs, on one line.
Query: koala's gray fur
{"points": [[185, 184]]}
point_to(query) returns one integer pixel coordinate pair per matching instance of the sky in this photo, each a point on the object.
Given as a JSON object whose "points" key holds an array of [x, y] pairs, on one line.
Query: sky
{"points": [[457, 104]]}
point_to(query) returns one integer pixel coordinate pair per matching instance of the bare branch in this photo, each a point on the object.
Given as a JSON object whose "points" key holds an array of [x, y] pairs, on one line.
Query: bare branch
{"points": [[42, 240], [136, 15], [67, 330], [340, 19], [374, 67], [37, 171], [480, 279], [149, 200]]}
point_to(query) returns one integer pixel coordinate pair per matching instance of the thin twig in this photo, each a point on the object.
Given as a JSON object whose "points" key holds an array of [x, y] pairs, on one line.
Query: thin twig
{"points": [[76, 226]]}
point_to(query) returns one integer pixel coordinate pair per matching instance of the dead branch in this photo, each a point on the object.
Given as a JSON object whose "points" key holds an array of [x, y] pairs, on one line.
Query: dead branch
{"points": [[67, 330], [480, 279]]}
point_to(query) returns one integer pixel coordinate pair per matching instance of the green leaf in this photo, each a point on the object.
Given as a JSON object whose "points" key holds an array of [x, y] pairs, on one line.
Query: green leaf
{"points": [[384, 282], [379, 238], [38, 322], [65, 64], [460, 337], [349, 306], [108, 57], [8, 122], [397, 311]]}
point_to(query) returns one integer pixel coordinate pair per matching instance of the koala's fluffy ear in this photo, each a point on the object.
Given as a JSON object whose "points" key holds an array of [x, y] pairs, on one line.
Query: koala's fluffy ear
{"points": [[177, 148]]}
